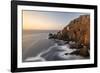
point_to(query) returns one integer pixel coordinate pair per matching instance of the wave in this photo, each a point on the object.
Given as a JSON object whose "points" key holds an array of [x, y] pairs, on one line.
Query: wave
{"points": [[55, 53]]}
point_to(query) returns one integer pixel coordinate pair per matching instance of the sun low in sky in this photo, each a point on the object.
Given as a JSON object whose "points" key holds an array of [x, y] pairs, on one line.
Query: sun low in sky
{"points": [[47, 20]]}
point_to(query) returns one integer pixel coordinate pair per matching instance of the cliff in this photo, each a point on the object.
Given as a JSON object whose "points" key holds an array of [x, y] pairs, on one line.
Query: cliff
{"points": [[78, 30]]}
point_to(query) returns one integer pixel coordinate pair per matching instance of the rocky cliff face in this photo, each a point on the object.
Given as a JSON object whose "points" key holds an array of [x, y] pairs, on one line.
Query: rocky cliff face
{"points": [[78, 30]]}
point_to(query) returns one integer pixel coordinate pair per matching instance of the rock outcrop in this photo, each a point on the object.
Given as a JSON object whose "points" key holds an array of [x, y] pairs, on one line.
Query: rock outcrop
{"points": [[78, 30]]}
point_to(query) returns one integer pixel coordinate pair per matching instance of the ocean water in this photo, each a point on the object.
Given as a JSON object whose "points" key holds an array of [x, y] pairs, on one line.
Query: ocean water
{"points": [[37, 47]]}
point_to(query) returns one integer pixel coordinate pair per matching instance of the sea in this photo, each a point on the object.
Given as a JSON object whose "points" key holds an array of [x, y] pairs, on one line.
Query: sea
{"points": [[37, 47]]}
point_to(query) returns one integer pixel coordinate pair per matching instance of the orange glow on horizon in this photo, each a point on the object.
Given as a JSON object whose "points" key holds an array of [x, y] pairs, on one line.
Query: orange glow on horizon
{"points": [[33, 21]]}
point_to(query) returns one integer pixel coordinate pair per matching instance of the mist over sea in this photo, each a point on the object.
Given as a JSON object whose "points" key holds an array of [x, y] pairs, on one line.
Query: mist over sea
{"points": [[37, 47]]}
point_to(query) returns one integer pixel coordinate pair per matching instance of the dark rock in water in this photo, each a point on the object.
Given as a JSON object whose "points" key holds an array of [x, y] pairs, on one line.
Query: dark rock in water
{"points": [[75, 52], [66, 53], [67, 42], [60, 43], [52, 36], [73, 46], [76, 46], [84, 52]]}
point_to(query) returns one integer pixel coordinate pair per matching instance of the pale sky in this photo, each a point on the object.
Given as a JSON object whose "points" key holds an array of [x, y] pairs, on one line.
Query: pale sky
{"points": [[43, 20]]}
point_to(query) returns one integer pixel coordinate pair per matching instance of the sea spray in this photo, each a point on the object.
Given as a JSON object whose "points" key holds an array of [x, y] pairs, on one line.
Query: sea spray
{"points": [[38, 57], [55, 53]]}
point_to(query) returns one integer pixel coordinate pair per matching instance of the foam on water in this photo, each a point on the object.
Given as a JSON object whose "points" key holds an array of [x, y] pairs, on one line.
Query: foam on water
{"points": [[38, 57], [55, 52], [48, 49]]}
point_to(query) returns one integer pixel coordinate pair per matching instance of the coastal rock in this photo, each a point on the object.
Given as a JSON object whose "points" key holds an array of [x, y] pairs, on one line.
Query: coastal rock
{"points": [[84, 52], [76, 46], [75, 52], [77, 30]]}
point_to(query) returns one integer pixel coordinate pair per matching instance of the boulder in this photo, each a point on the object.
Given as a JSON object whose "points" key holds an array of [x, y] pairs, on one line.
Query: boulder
{"points": [[84, 52]]}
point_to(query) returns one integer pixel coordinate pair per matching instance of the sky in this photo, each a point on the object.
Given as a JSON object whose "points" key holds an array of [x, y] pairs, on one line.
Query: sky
{"points": [[44, 20]]}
